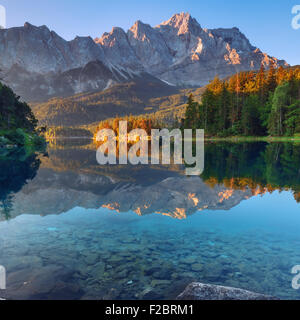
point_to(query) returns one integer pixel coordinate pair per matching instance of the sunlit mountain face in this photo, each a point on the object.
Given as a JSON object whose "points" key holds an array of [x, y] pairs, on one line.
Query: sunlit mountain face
{"points": [[177, 52], [72, 229]]}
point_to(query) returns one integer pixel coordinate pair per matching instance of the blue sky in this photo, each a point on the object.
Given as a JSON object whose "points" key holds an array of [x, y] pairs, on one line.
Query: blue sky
{"points": [[267, 23]]}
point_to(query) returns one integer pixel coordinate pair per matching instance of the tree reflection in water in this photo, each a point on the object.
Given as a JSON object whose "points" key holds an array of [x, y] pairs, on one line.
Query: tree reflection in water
{"points": [[264, 166], [16, 168]]}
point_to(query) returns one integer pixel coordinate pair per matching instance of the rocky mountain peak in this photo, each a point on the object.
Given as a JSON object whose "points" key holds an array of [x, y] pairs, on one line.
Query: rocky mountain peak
{"points": [[27, 25], [118, 50], [37, 29], [149, 46], [140, 29], [234, 37], [183, 23], [116, 34]]}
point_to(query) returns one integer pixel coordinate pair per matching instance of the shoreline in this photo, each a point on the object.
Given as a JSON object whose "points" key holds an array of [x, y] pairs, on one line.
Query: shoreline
{"points": [[253, 139], [31, 142], [217, 139]]}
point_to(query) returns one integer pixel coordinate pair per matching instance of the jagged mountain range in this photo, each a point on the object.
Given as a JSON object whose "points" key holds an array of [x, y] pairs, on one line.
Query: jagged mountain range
{"points": [[39, 64]]}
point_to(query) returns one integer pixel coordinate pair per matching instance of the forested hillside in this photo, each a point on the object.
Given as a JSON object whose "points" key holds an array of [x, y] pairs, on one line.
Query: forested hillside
{"points": [[250, 104], [136, 98]]}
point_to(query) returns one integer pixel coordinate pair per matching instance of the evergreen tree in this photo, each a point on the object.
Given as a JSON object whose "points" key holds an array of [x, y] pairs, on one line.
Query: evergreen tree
{"points": [[191, 114], [250, 122], [292, 121], [271, 82], [206, 114], [222, 119], [249, 103], [279, 104], [261, 83], [264, 113]]}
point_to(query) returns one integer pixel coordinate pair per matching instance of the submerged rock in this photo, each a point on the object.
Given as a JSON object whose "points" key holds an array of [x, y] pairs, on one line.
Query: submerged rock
{"points": [[200, 291]]}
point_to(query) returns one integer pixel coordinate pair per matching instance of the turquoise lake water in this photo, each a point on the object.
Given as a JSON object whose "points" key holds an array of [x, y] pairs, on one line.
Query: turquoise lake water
{"points": [[72, 230]]}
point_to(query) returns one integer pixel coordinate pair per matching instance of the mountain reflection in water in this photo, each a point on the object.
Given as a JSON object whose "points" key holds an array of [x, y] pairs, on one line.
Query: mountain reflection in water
{"points": [[78, 230], [70, 177]]}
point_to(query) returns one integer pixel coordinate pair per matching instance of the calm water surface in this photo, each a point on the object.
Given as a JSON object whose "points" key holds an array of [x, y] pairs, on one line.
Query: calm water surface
{"points": [[71, 229]]}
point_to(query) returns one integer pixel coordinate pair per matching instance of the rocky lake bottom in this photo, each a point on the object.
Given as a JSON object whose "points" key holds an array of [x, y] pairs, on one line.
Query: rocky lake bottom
{"points": [[99, 254]]}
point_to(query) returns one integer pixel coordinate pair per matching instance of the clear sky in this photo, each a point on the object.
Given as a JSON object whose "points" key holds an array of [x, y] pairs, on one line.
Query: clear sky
{"points": [[267, 23]]}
